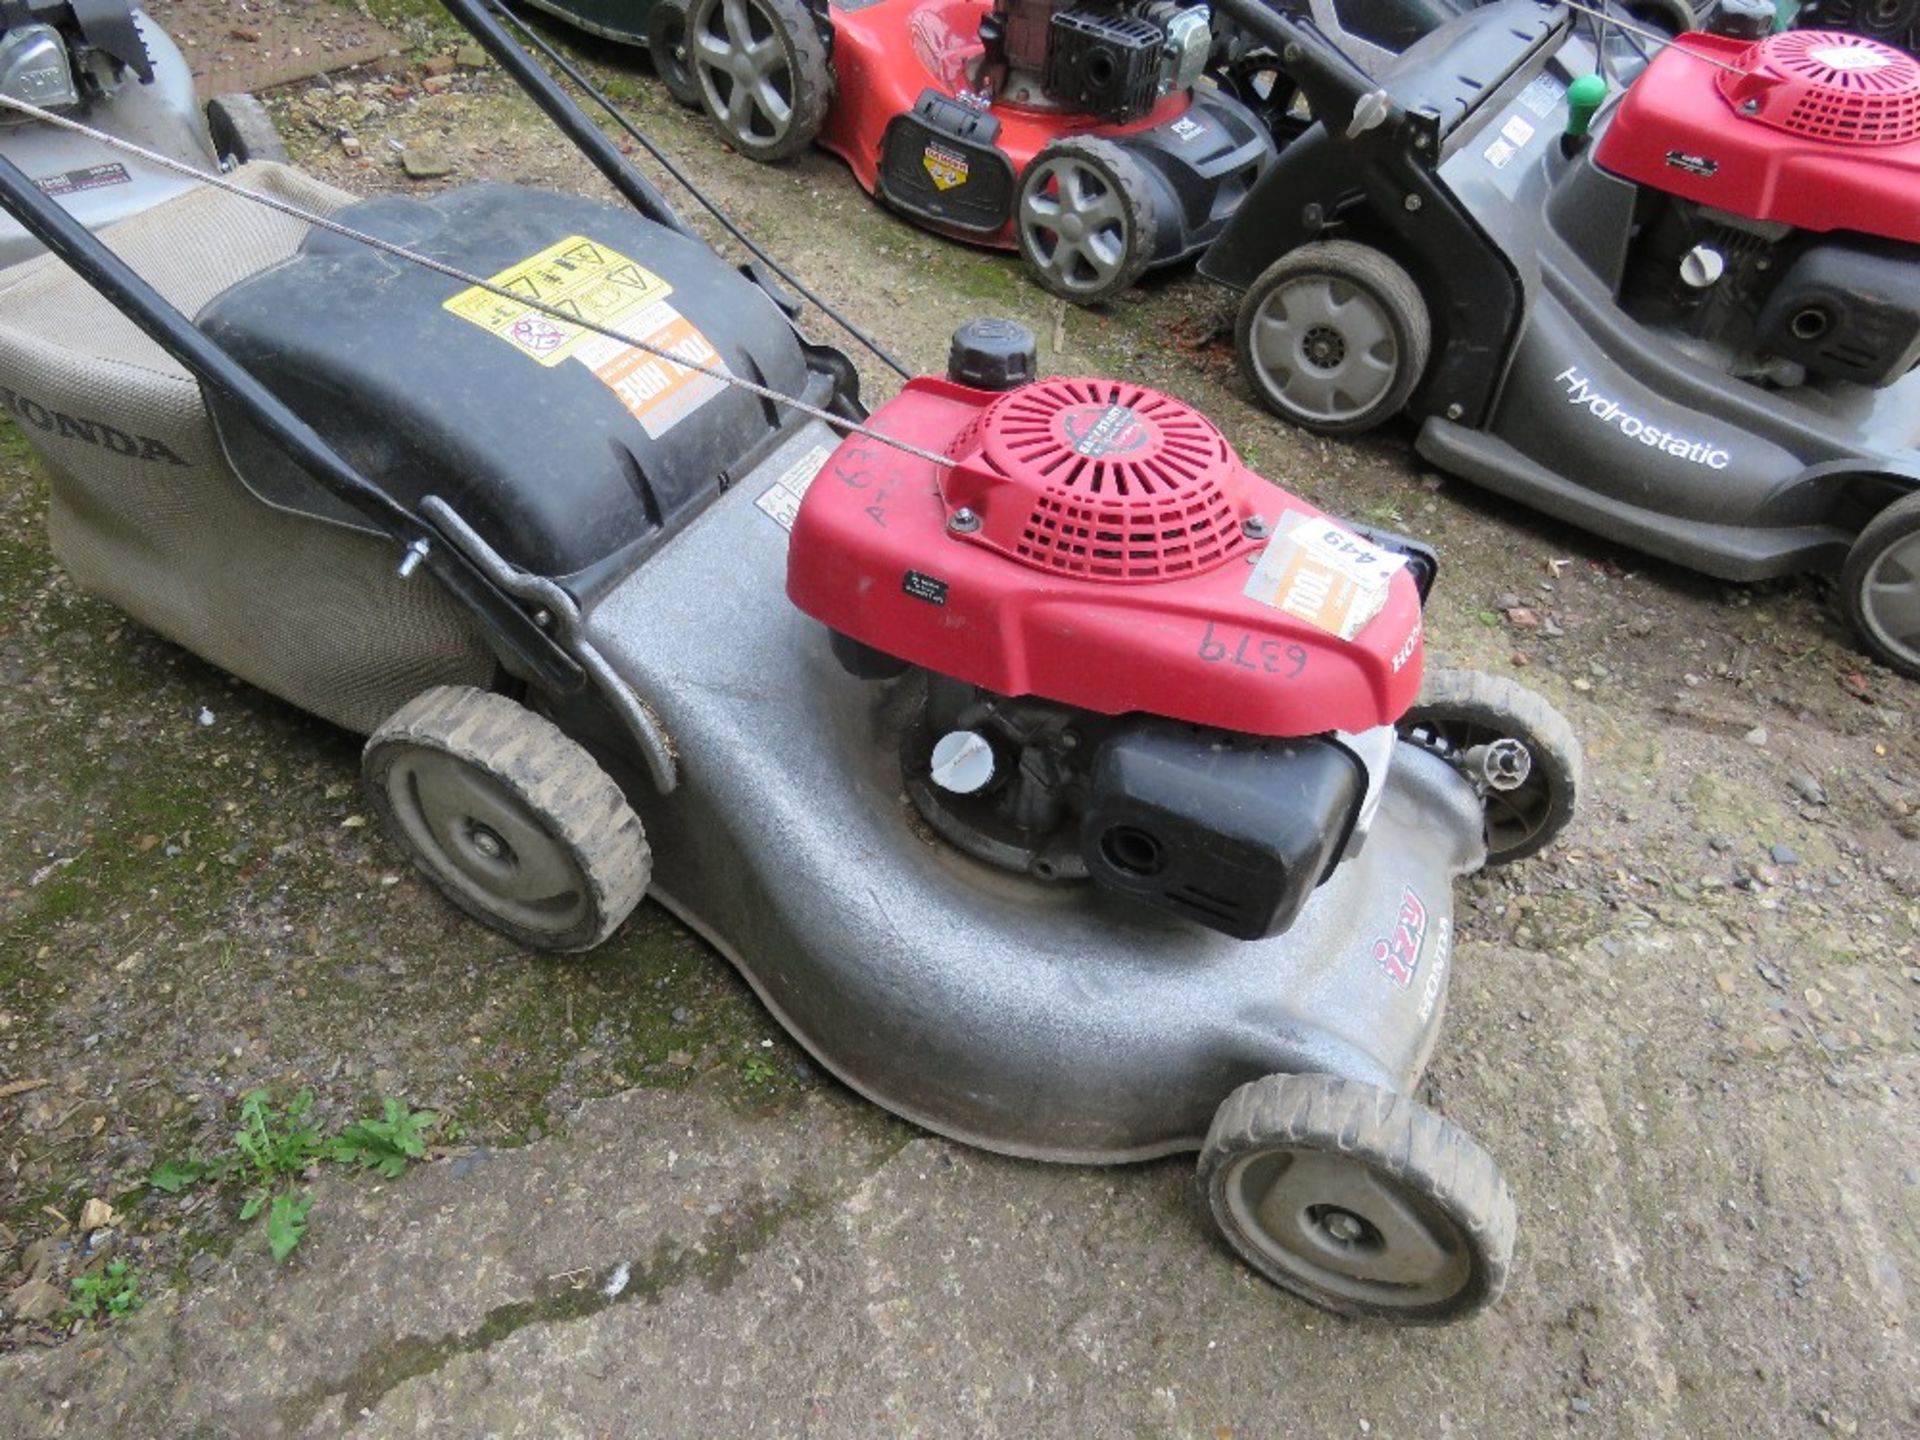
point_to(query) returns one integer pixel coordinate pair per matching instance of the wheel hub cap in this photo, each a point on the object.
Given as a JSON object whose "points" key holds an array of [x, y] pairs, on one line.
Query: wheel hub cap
{"points": [[480, 835], [754, 100], [1335, 1223], [1890, 597], [1076, 226], [1325, 346]]}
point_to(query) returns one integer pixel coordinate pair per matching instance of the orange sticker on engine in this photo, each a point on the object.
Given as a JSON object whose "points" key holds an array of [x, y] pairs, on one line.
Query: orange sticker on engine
{"points": [[1318, 571]]}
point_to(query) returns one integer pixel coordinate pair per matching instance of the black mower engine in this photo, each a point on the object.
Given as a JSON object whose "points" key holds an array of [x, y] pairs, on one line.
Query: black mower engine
{"points": [[61, 55], [1111, 61], [1233, 832], [1767, 303]]}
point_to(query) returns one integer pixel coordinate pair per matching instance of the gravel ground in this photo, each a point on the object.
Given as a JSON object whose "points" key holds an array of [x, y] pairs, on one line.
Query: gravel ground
{"points": [[1690, 1032]]}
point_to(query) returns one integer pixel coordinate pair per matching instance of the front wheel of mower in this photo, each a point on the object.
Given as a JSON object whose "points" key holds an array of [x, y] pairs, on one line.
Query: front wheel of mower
{"points": [[513, 821], [667, 44], [762, 70], [1460, 711], [1880, 585], [242, 131], [1333, 337], [1358, 1199], [1084, 219]]}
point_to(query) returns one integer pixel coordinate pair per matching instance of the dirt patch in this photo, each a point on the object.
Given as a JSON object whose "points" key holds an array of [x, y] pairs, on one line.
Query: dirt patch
{"points": [[234, 46]]}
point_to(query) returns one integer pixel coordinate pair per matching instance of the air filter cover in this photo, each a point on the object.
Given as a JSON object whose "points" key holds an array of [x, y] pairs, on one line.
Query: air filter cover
{"points": [[1845, 89], [1102, 480]]}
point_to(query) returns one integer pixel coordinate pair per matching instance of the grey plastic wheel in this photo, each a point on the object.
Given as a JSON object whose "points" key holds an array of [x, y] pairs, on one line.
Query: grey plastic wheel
{"points": [[514, 822], [1084, 219], [667, 44], [1358, 1199], [762, 71], [242, 131], [1333, 337], [1460, 711], [1880, 585]]}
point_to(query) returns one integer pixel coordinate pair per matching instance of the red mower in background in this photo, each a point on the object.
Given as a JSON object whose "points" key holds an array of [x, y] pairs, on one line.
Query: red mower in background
{"points": [[1075, 134]]}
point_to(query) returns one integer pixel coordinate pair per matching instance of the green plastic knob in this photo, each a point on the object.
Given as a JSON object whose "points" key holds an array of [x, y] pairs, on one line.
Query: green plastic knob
{"points": [[1585, 96]]}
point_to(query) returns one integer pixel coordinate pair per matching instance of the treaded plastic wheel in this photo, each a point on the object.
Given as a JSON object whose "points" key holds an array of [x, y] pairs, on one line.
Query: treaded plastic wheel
{"points": [[762, 71], [514, 822], [1880, 585], [1333, 337], [1358, 1199], [667, 44], [1895, 21], [1461, 709], [1084, 219], [243, 131]]}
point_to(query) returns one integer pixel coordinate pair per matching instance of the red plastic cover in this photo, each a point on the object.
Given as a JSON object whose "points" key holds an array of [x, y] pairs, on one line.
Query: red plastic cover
{"points": [[1089, 544], [886, 53], [1815, 129]]}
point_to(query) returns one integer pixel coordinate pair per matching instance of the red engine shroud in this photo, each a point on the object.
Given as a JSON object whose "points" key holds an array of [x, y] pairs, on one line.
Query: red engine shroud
{"points": [[886, 53], [1086, 546], [1816, 129]]}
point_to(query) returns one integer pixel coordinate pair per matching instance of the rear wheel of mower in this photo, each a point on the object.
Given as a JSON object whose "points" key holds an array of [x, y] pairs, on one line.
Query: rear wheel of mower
{"points": [[243, 131], [762, 71], [1880, 585], [1460, 710], [1333, 337], [667, 44], [1084, 219], [514, 822], [1358, 1199]]}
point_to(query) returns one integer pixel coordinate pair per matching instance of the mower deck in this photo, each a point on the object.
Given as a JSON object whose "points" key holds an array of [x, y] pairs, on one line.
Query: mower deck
{"points": [[1060, 1023]]}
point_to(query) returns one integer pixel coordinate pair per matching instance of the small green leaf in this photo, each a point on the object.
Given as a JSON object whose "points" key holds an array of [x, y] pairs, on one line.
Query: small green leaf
{"points": [[173, 1176], [287, 1222], [255, 1202], [1489, 619], [387, 1144], [115, 1290]]}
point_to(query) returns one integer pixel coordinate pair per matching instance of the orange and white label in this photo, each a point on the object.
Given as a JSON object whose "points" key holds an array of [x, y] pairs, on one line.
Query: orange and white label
{"points": [[658, 392], [1322, 573], [587, 281]]}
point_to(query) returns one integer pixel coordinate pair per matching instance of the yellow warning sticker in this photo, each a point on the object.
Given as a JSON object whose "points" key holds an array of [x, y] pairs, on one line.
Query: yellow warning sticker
{"points": [[577, 277], [585, 279], [948, 168]]}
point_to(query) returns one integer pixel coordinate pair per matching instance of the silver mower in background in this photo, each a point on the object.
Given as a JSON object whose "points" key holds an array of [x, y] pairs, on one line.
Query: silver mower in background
{"points": [[104, 62]]}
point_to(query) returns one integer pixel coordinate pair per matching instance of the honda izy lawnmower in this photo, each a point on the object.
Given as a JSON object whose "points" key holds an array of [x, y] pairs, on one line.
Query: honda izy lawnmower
{"points": [[105, 62], [1693, 330], [1059, 784], [1074, 132]]}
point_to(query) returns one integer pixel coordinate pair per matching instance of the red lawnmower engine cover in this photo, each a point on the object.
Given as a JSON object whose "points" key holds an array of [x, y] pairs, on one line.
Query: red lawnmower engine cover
{"points": [[1814, 128], [1090, 545]]}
